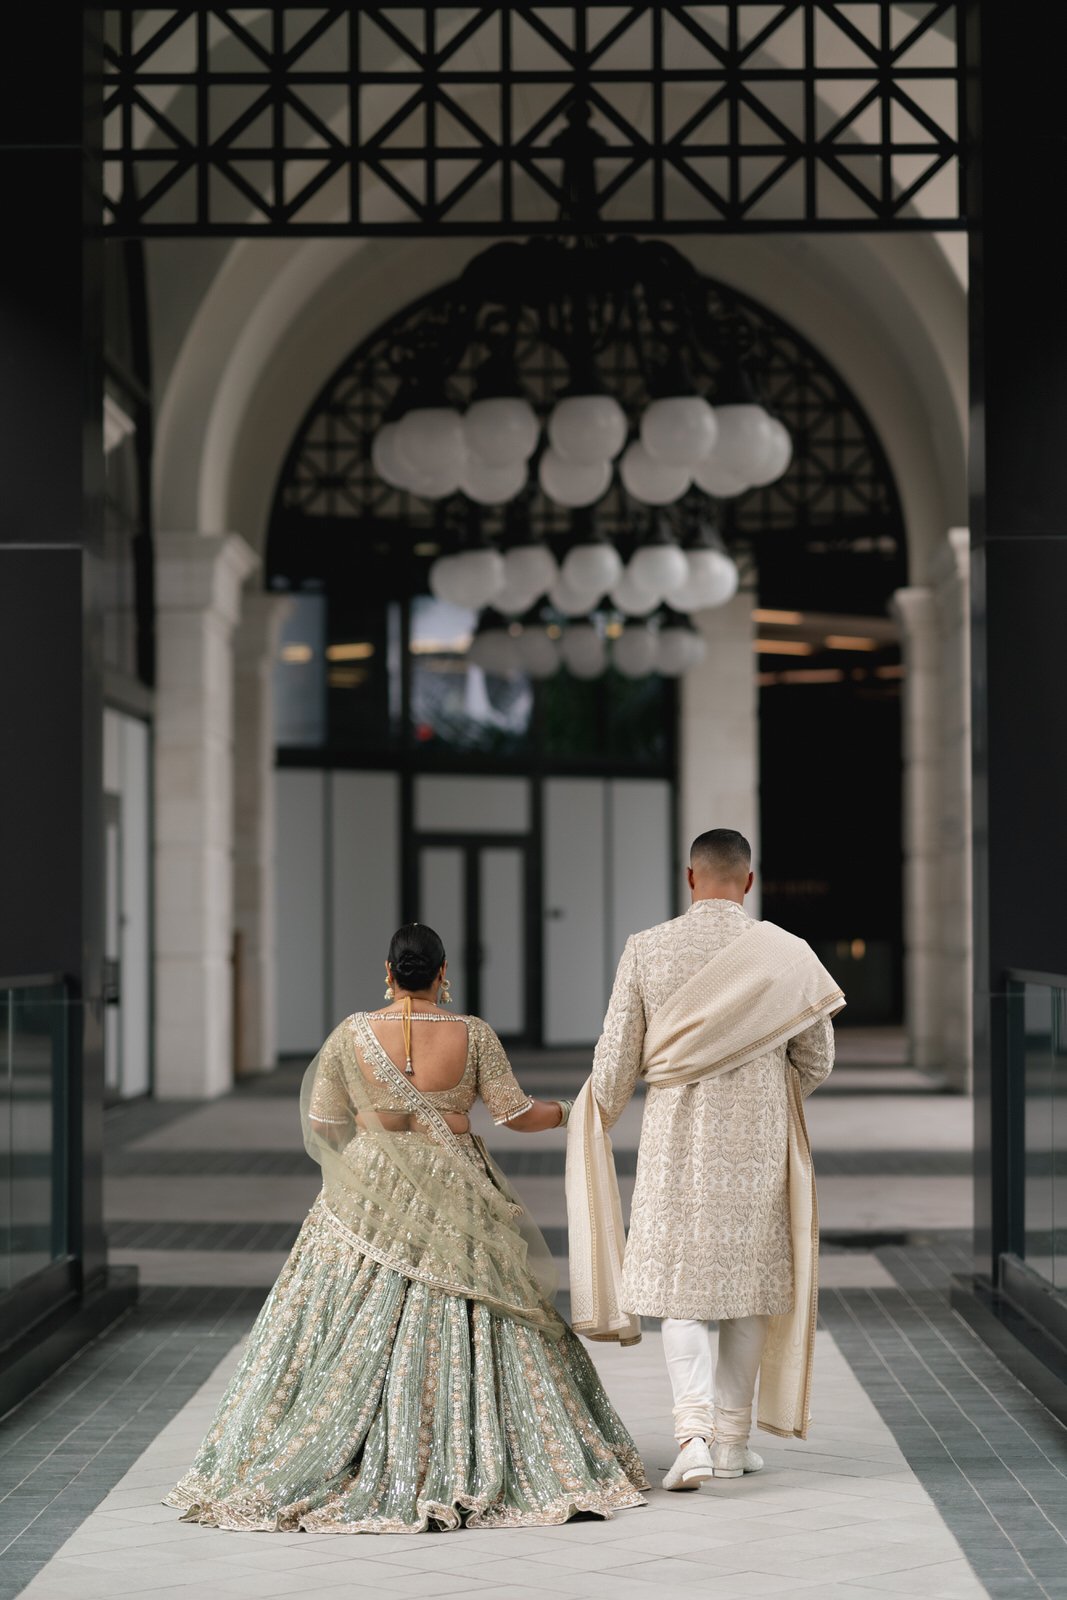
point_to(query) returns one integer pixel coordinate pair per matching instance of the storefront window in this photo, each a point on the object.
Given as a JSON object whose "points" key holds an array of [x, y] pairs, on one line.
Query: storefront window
{"points": [[393, 681]]}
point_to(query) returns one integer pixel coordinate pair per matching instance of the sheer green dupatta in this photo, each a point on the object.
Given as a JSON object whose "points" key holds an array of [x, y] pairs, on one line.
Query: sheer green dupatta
{"points": [[428, 1204]]}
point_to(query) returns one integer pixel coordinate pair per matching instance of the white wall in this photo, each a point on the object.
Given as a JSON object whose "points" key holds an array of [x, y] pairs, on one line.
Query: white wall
{"points": [[608, 871], [719, 737], [364, 886], [301, 911], [575, 889], [338, 897], [472, 805]]}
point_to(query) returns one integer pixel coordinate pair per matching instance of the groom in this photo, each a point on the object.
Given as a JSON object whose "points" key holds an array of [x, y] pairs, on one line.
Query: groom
{"points": [[728, 1021]]}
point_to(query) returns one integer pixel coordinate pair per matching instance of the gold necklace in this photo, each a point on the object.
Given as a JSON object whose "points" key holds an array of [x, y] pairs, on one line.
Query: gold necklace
{"points": [[405, 1016], [406, 1019]]}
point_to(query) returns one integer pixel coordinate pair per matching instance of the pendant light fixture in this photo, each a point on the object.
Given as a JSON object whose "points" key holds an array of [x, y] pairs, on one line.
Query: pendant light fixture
{"points": [[679, 646], [592, 564], [658, 565]]}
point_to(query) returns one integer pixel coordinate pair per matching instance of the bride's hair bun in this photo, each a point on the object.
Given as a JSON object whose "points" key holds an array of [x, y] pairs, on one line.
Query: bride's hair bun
{"points": [[416, 955]]}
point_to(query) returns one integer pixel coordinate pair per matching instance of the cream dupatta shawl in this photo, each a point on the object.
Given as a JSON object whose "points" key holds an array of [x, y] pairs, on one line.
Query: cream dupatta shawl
{"points": [[757, 993]]}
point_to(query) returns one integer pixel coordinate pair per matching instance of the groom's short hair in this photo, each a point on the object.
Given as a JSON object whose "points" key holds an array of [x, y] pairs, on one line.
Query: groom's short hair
{"points": [[722, 851]]}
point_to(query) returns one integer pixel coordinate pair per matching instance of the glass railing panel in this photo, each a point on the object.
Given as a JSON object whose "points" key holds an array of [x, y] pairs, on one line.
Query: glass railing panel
{"points": [[35, 1024], [5, 1139], [1037, 1004], [1059, 1139]]}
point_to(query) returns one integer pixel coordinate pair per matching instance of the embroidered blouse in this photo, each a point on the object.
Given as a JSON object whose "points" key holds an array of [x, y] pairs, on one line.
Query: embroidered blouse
{"points": [[487, 1073]]}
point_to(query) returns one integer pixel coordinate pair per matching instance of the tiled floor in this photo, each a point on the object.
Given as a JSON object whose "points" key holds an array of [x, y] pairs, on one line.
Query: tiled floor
{"points": [[834, 1518], [926, 1465]]}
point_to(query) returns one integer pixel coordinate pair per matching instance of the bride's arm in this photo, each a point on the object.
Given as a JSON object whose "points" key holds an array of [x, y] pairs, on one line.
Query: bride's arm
{"points": [[500, 1090], [542, 1115]]}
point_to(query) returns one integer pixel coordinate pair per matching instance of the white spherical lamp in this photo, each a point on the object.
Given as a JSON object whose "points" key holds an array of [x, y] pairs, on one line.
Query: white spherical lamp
{"points": [[711, 580], [571, 602], [587, 428], [781, 454], [432, 436], [677, 649], [583, 651], [481, 571], [659, 568], [634, 651], [652, 482], [538, 655], [435, 483], [513, 599], [718, 479], [491, 485], [503, 431], [573, 483], [494, 650], [746, 441], [679, 430], [631, 599], [531, 566], [447, 582], [592, 568], [386, 459]]}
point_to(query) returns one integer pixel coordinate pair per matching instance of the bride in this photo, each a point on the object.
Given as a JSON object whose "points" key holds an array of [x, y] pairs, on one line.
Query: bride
{"points": [[408, 1370]]}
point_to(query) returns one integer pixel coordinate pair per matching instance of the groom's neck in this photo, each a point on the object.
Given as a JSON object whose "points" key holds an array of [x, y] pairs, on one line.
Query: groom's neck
{"points": [[718, 891]]}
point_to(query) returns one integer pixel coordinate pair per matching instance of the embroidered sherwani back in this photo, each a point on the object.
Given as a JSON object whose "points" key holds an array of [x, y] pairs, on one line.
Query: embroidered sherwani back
{"points": [[709, 1230]]}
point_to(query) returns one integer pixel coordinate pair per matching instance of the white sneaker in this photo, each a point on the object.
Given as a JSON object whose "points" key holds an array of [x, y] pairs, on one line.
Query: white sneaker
{"points": [[692, 1468], [734, 1460]]}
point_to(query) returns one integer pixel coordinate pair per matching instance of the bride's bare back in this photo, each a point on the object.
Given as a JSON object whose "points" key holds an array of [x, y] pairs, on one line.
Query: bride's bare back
{"points": [[439, 1051]]}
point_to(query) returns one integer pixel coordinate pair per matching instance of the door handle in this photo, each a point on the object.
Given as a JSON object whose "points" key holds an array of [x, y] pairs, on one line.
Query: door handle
{"points": [[111, 986]]}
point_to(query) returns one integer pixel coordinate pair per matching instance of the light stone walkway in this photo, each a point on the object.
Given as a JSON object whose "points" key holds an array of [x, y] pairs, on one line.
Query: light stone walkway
{"points": [[841, 1514], [838, 1515], [841, 1124]]}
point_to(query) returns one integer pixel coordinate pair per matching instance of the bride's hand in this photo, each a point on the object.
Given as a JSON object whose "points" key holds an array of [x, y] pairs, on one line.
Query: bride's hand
{"points": [[542, 1116]]}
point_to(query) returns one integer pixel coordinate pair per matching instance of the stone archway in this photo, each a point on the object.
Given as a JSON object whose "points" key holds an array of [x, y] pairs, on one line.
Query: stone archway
{"points": [[269, 326]]}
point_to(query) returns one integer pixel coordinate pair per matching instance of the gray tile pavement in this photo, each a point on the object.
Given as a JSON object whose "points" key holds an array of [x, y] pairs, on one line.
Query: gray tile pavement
{"points": [[927, 1460]]}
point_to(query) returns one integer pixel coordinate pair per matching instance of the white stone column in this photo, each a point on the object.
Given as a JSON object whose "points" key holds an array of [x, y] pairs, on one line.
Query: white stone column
{"points": [[952, 582], [254, 828], [198, 601], [719, 734], [917, 611]]}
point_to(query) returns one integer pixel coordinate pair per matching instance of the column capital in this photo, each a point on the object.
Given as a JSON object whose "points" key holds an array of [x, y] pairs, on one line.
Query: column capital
{"points": [[202, 572], [952, 559], [915, 609], [261, 620]]}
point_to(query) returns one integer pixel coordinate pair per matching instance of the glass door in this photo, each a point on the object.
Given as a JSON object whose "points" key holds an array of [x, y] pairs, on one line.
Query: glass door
{"points": [[475, 895]]}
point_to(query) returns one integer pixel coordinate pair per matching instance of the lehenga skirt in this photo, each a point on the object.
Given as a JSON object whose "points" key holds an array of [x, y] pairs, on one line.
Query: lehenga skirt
{"points": [[365, 1402]]}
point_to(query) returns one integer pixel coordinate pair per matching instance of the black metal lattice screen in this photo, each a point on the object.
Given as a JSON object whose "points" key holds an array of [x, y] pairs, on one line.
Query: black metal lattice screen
{"points": [[413, 119], [837, 499]]}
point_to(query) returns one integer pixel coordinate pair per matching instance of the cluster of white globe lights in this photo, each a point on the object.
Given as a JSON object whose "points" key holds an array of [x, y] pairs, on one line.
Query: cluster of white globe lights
{"points": [[434, 452]]}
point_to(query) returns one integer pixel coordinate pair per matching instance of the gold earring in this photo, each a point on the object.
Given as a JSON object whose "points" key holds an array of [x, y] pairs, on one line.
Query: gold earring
{"points": [[389, 991], [444, 994]]}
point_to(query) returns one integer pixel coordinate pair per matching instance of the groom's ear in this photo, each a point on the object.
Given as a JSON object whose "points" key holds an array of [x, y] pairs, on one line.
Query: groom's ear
{"points": [[690, 880]]}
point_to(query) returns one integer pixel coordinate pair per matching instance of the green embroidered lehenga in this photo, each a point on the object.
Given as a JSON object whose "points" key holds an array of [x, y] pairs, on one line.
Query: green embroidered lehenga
{"points": [[408, 1370]]}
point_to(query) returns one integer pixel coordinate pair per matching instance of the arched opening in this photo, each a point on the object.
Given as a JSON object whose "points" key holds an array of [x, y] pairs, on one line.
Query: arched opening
{"points": [[376, 700]]}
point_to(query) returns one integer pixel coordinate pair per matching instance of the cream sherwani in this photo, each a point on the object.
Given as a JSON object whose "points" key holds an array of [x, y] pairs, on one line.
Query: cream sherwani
{"points": [[710, 1223]]}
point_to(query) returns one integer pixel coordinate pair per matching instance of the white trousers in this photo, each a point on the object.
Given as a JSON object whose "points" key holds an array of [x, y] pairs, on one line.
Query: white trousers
{"points": [[725, 1412]]}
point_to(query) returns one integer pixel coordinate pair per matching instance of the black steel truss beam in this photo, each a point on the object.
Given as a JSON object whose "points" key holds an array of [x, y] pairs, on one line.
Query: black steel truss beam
{"points": [[405, 119]]}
